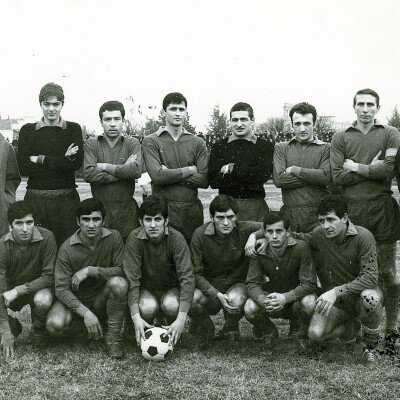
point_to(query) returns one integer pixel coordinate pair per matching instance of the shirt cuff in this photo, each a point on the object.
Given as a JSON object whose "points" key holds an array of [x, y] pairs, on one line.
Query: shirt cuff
{"points": [[290, 296], [40, 159], [135, 309], [81, 310], [21, 289], [184, 306], [340, 290], [4, 326], [261, 298], [110, 168], [94, 272], [212, 292]]}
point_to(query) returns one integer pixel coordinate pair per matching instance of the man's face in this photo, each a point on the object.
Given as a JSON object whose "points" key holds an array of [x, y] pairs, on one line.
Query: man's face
{"points": [[51, 108], [333, 225], [241, 125], [276, 235], [175, 114], [112, 123], [365, 108], [224, 222], [22, 229], [91, 225], [154, 226], [303, 127]]}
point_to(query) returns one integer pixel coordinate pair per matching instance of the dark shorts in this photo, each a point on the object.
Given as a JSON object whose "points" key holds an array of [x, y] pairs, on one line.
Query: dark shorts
{"points": [[252, 209], [22, 301], [285, 313], [301, 219], [55, 210], [185, 216], [122, 216], [380, 217]]}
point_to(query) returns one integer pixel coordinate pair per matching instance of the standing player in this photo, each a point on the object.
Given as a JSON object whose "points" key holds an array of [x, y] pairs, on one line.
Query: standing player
{"points": [[220, 267], [177, 162], [241, 164], [362, 159], [351, 285], [159, 271], [27, 258], [281, 281], [89, 279], [302, 170], [112, 163], [49, 153], [9, 181]]}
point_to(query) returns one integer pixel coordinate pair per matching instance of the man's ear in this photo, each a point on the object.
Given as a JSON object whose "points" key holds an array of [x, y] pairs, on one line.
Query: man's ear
{"points": [[141, 222], [77, 221], [345, 218], [166, 221]]}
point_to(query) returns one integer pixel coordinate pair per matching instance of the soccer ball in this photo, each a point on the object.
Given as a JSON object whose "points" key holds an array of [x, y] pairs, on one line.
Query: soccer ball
{"points": [[155, 346]]}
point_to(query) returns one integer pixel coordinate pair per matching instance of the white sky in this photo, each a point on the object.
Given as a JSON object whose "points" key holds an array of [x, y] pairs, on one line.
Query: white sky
{"points": [[264, 52]]}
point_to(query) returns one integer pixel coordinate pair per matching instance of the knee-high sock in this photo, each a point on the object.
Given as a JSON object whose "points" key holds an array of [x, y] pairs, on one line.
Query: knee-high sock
{"points": [[392, 306], [116, 314]]}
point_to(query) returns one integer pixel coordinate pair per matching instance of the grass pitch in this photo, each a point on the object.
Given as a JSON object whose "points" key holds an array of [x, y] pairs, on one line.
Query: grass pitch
{"points": [[74, 369]]}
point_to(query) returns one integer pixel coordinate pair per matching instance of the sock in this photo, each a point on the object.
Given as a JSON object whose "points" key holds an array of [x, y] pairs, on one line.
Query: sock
{"points": [[116, 314], [392, 306], [371, 336]]}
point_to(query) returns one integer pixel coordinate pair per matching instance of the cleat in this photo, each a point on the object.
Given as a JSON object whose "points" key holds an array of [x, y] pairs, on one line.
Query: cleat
{"points": [[203, 327], [392, 342], [266, 331], [115, 350], [228, 333]]}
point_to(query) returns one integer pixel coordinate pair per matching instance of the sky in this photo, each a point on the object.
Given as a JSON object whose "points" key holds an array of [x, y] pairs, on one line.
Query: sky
{"points": [[263, 52]]}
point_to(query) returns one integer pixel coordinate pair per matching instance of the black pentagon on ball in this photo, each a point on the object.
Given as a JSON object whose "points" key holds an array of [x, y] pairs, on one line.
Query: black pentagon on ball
{"points": [[148, 333], [164, 338], [152, 351]]}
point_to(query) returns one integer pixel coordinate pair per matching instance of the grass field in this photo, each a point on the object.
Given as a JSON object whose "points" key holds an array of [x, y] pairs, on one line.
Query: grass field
{"points": [[245, 369]]}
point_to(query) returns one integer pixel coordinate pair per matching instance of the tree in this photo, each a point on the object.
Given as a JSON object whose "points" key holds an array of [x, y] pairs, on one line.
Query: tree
{"points": [[275, 129], [324, 129], [394, 120], [188, 126], [217, 127]]}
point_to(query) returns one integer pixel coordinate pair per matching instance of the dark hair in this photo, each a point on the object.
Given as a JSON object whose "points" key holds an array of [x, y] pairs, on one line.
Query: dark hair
{"points": [[19, 210], [86, 207], [367, 91], [223, 203], [173, 98], [151, 206], [303, 109], [112, 105], [242, 107], [49, 90], [332, 203], [273, 217]]}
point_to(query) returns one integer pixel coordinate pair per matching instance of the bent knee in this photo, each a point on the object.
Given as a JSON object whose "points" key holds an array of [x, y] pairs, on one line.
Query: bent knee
{"points": [[308, 303], [316, 334], [56, 322], [148, 308], [251, 310], [118, 286], [43, 299], [170, 305], [371, 299]]}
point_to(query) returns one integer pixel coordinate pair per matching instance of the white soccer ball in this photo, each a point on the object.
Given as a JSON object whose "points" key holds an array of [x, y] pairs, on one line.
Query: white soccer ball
{"points": [[155, 346]]}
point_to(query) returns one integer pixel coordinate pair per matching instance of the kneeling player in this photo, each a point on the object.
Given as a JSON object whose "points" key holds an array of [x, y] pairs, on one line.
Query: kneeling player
{"points": [[159, 270], [89, 279], [27, 258], [220, 268], [349, 277], [281, 281]]}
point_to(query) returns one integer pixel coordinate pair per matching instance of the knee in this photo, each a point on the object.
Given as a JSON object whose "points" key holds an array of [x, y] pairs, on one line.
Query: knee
{"points": [[170, 304], [57, 321], [238, 296], [198, 299], [43, 299], [251, 310], [148, 308], [307, 304], [316, 333], [118, 286], [371, 300]]}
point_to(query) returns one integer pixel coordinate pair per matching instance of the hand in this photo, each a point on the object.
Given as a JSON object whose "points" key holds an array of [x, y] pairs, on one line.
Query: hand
{"points": [[92, 325], [250, 247], [261, 245], [176, 328], [7, 341], [33, 158], [225, 300], [193, 169], [79, 277], [131, 159], [275, 302], [288, 170], [350, 165], [376, 160], [72, 150], [164, 167], [101, 166], [9, 297], [139, 324], [325, 302]]}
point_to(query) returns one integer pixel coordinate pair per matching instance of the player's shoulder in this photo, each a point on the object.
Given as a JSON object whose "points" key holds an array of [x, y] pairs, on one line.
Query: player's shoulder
{"points": [[73, 125], [26, 128], [175, 235], [199, 232], [299, 244], [45, 233], [282, 145], [130, 139], [219, 144], [363, 233]]}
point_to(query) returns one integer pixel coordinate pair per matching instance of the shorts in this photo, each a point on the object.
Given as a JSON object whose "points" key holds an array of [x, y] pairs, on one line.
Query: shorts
{"points": [[185, 216], [301, 219], [122, 216], [380, 217], [22, 301], [252, 209], [55, 210]]}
